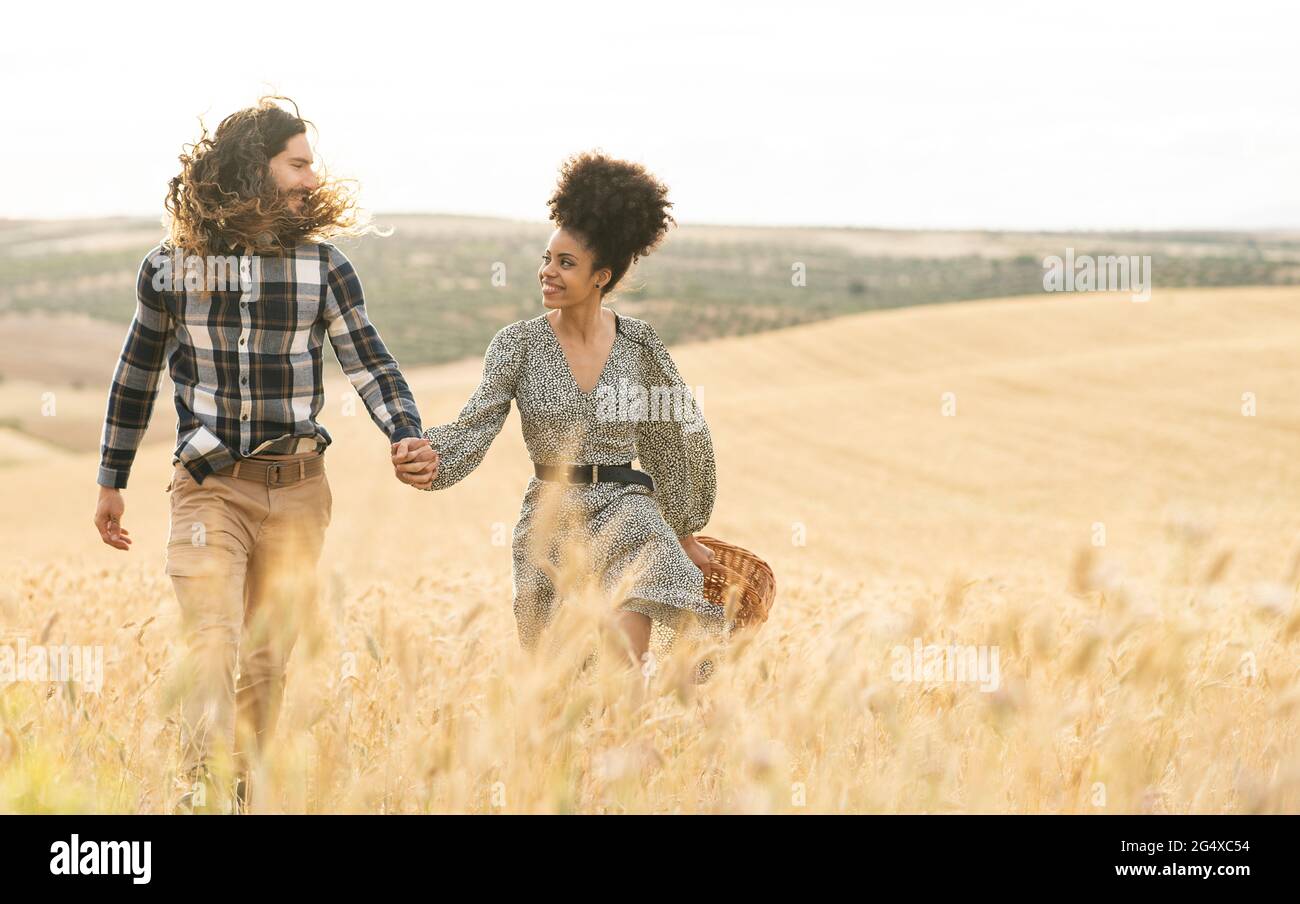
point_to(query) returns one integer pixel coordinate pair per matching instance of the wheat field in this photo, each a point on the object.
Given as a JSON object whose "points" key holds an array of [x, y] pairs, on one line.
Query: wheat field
{"points": [[1105, 492]]}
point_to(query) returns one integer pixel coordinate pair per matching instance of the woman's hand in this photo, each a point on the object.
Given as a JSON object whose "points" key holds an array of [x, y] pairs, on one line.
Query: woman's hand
{"points": [[415, 462], [700, 554]]}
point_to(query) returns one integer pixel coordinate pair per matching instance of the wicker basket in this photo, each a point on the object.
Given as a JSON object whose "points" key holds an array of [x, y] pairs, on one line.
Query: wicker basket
{"points": [[741, 576]]}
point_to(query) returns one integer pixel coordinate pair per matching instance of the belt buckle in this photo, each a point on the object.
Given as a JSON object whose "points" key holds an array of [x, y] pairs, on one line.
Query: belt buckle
{"points": [[272, 475], [595, 478]]}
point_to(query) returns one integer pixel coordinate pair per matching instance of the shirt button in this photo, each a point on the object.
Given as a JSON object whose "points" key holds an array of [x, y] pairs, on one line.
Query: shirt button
{"points": [[244, 380], [242, 340], [243, 417]]}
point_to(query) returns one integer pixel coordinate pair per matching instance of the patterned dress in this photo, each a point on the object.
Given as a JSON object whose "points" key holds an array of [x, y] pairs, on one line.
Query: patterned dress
{"points": [[628, 534]]}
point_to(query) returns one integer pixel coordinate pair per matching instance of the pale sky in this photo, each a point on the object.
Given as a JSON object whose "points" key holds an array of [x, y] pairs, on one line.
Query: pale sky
{"points": [[933, 114]]}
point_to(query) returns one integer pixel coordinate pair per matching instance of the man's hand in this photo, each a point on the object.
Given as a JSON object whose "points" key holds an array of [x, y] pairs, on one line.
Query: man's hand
{"points": [[108, 519], [415, 462]]}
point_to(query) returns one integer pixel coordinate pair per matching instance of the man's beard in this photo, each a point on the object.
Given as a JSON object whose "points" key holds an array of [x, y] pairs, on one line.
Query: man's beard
{"points": [[288, 215], [295, 204]]}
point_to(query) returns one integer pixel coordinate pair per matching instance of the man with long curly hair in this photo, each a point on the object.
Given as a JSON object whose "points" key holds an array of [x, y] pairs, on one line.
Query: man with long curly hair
{"points": [[238, 301]]}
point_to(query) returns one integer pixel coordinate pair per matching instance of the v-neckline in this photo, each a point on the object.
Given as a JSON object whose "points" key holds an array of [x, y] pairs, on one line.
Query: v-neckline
{"points": [[569, 367]]}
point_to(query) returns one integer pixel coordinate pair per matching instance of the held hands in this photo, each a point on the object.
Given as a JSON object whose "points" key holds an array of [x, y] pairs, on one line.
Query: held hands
{"points": [[415, 462], [700, 554], [108, 519]]}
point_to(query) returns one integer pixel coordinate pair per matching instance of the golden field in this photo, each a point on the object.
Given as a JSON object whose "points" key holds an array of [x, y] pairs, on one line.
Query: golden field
{"points": [[1077, 481]]}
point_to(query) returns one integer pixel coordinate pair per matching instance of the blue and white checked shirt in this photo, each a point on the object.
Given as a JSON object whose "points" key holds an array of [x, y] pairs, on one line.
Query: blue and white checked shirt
{"points": [[246, 360]]}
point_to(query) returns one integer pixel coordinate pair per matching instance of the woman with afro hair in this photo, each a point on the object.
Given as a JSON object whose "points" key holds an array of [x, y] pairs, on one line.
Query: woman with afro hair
{"points": [[595, 389]]}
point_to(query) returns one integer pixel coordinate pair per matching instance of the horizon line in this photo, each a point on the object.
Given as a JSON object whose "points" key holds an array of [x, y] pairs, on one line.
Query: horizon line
{"points": [[855, 227]]}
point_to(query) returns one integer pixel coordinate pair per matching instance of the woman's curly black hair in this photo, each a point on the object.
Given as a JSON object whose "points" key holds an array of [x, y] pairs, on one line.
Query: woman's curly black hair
{"points": [[617, 208]]}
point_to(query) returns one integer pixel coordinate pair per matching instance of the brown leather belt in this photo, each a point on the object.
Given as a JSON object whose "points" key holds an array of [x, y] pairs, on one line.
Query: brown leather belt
{"points": [[275, 473]]}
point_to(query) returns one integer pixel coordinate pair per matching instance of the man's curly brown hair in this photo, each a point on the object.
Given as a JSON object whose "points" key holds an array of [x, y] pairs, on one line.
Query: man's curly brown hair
{"points": [[617, 208], [226, 199]]}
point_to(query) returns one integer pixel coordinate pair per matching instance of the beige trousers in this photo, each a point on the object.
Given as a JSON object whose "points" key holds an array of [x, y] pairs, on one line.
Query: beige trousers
{"points": [[242, 557]]}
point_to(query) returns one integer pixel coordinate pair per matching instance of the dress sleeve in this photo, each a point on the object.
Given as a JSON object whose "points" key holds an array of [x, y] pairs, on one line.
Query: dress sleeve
{"points": [[674, 445], [462, 444]]}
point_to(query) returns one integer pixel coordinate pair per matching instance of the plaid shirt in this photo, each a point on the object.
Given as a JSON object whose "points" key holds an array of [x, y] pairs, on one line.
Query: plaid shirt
{"points": [[246, 361]]}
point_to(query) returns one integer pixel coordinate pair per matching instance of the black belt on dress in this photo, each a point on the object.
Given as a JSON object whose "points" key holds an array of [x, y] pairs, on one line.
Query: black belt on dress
{"points": [[594, 474]]}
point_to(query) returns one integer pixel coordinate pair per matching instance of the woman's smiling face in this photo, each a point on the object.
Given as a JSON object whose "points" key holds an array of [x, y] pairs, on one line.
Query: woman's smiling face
{"points": [[567, 274]]}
